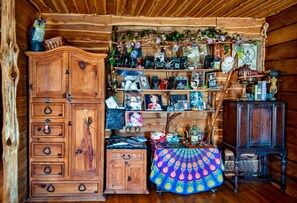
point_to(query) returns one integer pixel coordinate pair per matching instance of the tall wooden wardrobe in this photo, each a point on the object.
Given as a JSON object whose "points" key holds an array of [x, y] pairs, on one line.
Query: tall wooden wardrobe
{"points": [[66, 133]]}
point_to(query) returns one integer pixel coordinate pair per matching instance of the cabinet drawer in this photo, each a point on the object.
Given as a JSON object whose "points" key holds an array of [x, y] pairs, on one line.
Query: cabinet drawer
{"points": [[52, 130], [48, 170], [53, 150], [64, 188], [131, 155], [48, 110]]}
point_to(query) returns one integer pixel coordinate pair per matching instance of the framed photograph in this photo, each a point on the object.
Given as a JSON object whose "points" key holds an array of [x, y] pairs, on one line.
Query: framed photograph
{"points": [[143, 82], [133, 101], [249, 57], [181, 82], [133, 119], [153, 102], [184, 105], [111, 103], [174, 98], [115, 115], [196, 100]]}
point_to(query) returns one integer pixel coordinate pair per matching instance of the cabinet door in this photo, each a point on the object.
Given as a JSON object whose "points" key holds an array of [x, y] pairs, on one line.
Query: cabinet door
{"points": [[85, 75], [48, 75], [261, 126], [85, 141], [116, 176], [136, 175]]}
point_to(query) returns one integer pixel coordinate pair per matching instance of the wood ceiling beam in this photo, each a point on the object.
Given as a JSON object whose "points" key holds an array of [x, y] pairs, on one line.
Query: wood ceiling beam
{"points": [[121, 7], [59, 7], [41, 6], [146, 8], [140, 5], [183, 8], [158, 10], [176, 8], [81, 6], [224, 8], [50, 4], [245, 6], [204, 9], [111, 7], [71, 6], [168, 7]]}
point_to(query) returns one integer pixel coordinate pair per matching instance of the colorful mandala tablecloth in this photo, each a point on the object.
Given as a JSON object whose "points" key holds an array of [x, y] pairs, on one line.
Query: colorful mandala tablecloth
{"points": [[187, 170]]}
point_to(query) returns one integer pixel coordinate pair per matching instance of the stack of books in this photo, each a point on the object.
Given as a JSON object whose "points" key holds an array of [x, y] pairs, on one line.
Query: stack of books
{"points": [[260, 91]]}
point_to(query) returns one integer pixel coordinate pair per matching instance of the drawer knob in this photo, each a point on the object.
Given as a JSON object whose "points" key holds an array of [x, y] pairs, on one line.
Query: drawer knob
{"points": [[79, 151], [127, 157], [47, 169], [47, 150], [82, 65], [47, 130], [50, 188], [81, 187], [47, 110]]}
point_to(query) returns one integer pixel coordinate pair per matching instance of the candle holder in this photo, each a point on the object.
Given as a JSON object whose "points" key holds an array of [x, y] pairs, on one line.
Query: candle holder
{"points": [[244, 80]]}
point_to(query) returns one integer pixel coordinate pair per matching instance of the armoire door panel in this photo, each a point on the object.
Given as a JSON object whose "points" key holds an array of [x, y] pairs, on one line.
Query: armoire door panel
{"points": [[85, 140], [49, 75], [84, 76]]}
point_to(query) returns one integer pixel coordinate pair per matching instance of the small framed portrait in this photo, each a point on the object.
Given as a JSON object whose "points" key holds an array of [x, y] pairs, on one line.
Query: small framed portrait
{"points": [[153, 102], [184, 105], [174, 98], [133, 119], [249, 57], [143, 82], [133, 101], [181, 82], [196, 99]]}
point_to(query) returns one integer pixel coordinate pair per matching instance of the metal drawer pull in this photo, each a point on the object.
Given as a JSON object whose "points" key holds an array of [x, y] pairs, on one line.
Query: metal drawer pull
{"points": [[126, 157], [81, 187], [47, 130], [47, 150], [47, 110], [50, 188], [47, 169]]}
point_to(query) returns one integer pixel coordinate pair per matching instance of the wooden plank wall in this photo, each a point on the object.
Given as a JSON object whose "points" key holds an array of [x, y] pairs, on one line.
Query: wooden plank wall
{"points": [[249, 27], [25, 16], [282, 55]]}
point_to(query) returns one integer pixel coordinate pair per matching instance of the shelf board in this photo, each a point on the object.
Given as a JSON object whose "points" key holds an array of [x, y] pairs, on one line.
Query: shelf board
{"points": [[171, 90], [167, 70]]}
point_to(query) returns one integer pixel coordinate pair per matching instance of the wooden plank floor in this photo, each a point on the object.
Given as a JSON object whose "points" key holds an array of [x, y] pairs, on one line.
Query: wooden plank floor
{"points": [[249, 192]]}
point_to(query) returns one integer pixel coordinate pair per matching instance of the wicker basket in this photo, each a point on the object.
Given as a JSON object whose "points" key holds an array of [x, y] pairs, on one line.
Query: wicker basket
{"points": [[53, 42]]}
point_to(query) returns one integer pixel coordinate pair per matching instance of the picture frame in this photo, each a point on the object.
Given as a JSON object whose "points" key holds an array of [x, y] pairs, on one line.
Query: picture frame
{"points": [[181, 82], [133, 119], [143, 82], [174, 98], [196, 100], [249, 57], [198, 77], [112, 115], [184, 105], [111, 103], [133, 101], [153, 102]]}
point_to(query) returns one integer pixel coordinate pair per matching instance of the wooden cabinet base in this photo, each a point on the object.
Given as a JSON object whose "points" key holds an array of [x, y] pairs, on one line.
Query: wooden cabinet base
{"points": [[91, 198]]}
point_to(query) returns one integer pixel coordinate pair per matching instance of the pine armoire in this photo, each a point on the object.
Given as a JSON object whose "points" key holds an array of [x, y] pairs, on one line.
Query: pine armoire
{"points": [[66, 133]]}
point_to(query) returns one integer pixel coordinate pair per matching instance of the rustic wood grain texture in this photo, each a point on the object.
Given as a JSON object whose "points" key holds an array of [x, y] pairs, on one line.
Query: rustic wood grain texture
{"points": [[10, 78], [281, 55]]}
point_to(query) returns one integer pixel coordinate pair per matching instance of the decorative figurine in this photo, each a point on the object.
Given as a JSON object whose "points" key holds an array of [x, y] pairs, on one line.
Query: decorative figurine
{"points": [[194, 135], [273, 80], [227, 64]]}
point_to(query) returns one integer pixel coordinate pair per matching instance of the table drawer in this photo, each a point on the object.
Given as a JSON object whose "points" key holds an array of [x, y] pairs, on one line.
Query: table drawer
{"points": [[48, 169], [64, 188], [53, 150], [122, 154], [50, 130], [48, 110]]}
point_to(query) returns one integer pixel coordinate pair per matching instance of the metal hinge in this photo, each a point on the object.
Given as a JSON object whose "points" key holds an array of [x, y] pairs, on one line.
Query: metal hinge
{"points": [[30, 86], [67, 72]]}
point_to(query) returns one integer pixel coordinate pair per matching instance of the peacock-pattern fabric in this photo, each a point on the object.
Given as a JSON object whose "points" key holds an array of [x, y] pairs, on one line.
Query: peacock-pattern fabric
{"points": [[187, 170]]}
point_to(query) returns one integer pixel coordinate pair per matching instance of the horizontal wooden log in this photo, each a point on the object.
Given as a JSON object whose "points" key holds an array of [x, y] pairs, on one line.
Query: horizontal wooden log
{"points": [[162, 21], [291, 118], [285, 50], [282, 35], [291, 132], [290, 98], [282, 19], [287, 84], [287, 67]]}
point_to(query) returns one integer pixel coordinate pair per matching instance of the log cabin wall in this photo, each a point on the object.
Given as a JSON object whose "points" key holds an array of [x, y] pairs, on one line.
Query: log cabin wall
{"points": [[25, 16], [281, 54], [93, 33]]}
